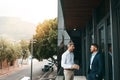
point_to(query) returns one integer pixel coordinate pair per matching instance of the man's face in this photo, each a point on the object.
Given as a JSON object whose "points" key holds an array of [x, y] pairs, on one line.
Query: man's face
{"points": [[93, 48], [110, 49], [72, 47]]}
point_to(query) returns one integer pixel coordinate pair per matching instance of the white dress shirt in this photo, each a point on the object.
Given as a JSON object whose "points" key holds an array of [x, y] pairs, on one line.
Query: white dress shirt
{"points": [[92, 58], [67, 59], [110, 53]]}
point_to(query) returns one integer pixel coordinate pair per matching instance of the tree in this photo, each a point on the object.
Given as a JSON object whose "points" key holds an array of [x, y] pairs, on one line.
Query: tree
{"points": [[11, 50], [3, 46], [45, 46], [24, 49], [11, 54]]}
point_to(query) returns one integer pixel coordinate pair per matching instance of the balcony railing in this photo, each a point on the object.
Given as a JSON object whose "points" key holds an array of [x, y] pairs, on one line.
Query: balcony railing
{"points": [[61, 77]]}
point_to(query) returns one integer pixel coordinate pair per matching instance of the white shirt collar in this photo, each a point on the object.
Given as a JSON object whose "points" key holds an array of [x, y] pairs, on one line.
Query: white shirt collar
{"points": [[69, 51], [94, 53]]}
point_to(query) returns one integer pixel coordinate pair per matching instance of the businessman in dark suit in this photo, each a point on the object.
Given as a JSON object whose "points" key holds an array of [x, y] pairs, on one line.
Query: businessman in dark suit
{"points": [[96, 64]]}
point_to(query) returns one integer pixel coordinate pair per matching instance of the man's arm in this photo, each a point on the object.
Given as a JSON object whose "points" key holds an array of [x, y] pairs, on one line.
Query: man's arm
{"points": [[68, 66], [101, 65]]}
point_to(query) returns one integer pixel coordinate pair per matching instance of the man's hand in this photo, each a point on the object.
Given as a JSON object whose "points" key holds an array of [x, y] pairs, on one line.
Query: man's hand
{"points": [[75, 66]]}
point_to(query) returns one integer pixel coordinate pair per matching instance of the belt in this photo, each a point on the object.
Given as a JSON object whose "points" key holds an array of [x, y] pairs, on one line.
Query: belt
{"points": [[69, 69]]}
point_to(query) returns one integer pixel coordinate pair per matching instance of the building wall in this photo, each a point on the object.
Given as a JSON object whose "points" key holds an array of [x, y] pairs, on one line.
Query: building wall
{"points": [[115, 22], [104, 31]]}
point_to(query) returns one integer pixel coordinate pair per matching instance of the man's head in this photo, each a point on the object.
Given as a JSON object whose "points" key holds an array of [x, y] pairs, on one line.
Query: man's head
{"points": [[94, 47], [71, 46]]}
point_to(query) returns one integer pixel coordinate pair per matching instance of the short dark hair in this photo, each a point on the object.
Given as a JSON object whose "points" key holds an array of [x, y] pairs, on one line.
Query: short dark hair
{"points": [[95, 45]]}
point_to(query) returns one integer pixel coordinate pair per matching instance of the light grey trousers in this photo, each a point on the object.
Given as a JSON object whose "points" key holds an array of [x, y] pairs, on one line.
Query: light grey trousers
{"points": [[69, 74]]}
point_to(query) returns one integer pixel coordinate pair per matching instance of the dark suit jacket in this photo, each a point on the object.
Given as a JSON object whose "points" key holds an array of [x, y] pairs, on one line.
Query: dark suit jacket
{"points": [[97, 71], [110, 66]]}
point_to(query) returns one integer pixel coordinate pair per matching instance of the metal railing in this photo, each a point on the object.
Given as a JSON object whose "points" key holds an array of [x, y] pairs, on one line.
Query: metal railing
{"points": [[54, 77]]}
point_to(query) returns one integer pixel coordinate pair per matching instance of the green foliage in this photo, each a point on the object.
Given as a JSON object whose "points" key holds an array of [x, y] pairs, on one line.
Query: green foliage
{"points": [[10, 50], [45, 46], [3, 46], [25, 49]]}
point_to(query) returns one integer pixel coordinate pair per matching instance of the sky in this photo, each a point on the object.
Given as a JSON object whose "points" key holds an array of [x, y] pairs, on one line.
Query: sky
{"points": [[32, 11]]}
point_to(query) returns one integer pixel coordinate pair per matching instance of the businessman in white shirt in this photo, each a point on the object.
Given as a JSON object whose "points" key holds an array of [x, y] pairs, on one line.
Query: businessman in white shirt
{"points": [[67, 62]]}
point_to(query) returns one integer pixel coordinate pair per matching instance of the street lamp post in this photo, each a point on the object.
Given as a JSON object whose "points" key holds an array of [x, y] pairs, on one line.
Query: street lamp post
{"points": [[31, 59], [32, 42]]}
